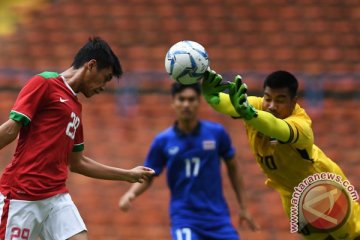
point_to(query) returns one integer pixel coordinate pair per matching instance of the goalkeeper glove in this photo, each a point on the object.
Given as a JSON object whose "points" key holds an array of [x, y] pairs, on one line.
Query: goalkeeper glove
{"points": [[239, 100], [211, 87]]}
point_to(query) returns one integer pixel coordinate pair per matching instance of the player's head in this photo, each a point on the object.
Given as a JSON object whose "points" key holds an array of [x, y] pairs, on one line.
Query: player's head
{"points": [[186, 100], [280, 93], [98, 65]]}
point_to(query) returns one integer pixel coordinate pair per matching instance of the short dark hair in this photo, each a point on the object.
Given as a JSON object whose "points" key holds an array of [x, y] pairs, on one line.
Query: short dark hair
{"points": [[177, 88], [282, 79], [96, 48]]}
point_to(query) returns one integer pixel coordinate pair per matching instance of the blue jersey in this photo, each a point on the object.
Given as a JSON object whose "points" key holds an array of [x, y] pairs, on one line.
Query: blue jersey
{"points": [[193, 163]]}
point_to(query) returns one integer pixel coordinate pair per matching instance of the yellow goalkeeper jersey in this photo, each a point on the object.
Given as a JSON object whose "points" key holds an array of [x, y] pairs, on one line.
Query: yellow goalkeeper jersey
{"points": [[287, 164]]}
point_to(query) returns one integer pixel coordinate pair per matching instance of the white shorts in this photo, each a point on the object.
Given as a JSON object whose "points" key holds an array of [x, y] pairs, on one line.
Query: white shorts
{"points": [[54, 218]]}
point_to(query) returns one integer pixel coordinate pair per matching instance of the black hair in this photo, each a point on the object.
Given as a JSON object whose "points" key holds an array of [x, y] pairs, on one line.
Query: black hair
{"points": [[96, 48], [282, 79], [177, 88]]}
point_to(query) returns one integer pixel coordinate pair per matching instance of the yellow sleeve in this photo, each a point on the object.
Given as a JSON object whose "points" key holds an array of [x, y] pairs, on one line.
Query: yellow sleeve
{"points": [[225, 106], [295, 129], [271, 126], [300, 124], [265, 123]]}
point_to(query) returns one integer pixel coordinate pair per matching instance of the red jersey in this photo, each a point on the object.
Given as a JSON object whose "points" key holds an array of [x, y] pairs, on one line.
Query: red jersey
{"points": [[50, 113]]}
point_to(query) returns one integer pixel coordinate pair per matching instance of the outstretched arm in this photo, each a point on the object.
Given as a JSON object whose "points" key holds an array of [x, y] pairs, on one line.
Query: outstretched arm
{"points": [[235, 104], [8, 132], [90, 168], [265, 122], [271, 126], [238, 186], [225, 106], [262, 121], [212, 89]]}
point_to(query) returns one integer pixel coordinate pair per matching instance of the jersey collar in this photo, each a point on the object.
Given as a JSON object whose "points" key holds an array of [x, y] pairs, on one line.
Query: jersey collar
{"points": [[67, 85], [182, 133]]}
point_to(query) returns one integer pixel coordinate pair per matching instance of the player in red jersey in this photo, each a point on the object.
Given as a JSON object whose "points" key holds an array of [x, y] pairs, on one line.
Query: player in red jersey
{"points": [[34, 201]]}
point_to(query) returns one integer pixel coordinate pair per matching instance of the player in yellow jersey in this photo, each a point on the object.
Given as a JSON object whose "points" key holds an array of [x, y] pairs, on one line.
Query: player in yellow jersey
{"points": [[281, 137]]}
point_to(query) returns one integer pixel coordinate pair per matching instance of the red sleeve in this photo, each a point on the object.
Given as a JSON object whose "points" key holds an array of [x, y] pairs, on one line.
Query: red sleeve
{"points": [[79, 139], [30, 98]]}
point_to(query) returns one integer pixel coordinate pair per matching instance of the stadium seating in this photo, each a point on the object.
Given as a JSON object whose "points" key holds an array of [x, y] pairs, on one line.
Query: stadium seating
{"points": [[318, 40]]}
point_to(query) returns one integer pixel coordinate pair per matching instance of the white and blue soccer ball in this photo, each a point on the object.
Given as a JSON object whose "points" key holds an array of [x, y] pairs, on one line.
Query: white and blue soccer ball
{"points": [[186, 62]]}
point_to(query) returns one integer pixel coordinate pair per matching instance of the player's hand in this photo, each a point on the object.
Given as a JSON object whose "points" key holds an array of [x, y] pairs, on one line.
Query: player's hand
{"points": [[125, 201], [244, 216], [211, 87], [239, 100], [140, 174]]}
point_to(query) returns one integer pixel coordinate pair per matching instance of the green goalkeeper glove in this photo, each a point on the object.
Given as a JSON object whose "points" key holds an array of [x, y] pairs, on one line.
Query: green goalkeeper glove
{"points": [[211, 87], [239, 100]]}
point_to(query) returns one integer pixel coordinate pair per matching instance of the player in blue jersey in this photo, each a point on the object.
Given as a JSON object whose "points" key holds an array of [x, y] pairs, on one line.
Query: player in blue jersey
{"points": [[191, 150]]}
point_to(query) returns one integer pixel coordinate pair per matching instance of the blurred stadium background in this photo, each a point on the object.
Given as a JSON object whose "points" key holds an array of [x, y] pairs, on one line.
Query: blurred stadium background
{"points": [[319, 41]]}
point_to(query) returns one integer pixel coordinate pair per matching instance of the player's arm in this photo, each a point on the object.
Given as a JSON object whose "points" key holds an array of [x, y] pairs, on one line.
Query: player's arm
{"points": [[271, 126], [135, 190], [25, 107], [212, 90], [88, 167], [156, 161], [8, 132], [236, 181], [235, 104], [262, 121], [225, 106], [265, 122]]}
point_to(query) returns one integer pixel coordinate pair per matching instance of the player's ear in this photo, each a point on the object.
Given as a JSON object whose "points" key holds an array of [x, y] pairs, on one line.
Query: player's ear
{"points": [[91, 64], [174, 101]]}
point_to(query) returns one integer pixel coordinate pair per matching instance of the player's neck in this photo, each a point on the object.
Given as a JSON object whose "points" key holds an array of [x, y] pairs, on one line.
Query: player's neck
{"points": [[187, 126], [71, 75]]}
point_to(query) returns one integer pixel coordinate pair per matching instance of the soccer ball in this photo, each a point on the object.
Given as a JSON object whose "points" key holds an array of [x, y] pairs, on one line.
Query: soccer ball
{"points": [[186, 62]]}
